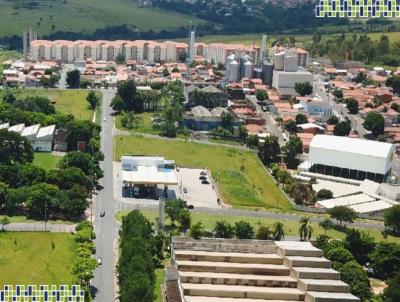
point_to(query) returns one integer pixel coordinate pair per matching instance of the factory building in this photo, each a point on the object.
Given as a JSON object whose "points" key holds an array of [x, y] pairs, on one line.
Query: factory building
{"points": [[287, 73], [350, 158]]}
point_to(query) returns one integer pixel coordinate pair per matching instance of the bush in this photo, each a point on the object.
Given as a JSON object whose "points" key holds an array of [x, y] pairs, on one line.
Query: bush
{"points": [[196, 231], [264, 233], [324, 194], [353, 274], [223, 229], [244, 230]]}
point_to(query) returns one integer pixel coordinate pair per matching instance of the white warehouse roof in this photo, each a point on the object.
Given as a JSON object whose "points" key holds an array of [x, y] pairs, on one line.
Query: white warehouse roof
{"points": [[46, 132], [4, 126], [17, 128], [351, 153], [345, 201], [31, 130], [370, 207], [150, 175]]}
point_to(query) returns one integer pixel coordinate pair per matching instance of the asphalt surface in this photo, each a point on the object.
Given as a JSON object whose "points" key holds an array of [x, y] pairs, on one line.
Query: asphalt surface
{"points": [[105, 227]]}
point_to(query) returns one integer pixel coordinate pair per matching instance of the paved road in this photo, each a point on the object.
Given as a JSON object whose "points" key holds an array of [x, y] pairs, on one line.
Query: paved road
{"points": [[105, 227], [40, 227]]}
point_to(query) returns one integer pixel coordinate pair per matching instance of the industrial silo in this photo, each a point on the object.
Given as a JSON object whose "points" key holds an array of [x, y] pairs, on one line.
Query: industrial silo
{"points": [[258, 73], [279, 61], [248, 69], [230, 58], [233, 71], [268, 71]]}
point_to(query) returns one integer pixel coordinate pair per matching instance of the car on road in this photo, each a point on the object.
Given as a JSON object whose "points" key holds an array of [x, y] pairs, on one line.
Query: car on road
{"points": [[184, 190], [102, 213], [205, 182], [203, 173], [104, 119], [99, 261], [202, 177]]}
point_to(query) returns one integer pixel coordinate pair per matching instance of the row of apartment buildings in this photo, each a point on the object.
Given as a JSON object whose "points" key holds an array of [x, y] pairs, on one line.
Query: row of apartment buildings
{"points": [[139, 50]]}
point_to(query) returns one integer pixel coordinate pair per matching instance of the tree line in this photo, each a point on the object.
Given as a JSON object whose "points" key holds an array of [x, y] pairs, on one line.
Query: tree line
{"points": [[141, 251]]}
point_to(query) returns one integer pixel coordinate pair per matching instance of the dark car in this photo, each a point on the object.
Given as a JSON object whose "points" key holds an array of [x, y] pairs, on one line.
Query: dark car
{"points": [[203, 177], [102, 213], [205, 182], [203, 173]]}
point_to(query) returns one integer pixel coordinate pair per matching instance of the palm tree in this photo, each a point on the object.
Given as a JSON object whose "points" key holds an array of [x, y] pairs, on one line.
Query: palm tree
{"points": [[279, 232], [310, 230], [303, 229]]}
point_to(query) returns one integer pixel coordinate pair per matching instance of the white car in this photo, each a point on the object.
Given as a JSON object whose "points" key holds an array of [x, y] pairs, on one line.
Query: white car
{"points": [[104, 119], [99, 261]]}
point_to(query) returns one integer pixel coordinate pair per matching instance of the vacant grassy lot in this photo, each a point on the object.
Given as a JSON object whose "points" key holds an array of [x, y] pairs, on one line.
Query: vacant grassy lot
{"points": [[242, 179], [83, 16], [66, 101], [145, 127], [46, 161], [291, 227], [28, 258]]}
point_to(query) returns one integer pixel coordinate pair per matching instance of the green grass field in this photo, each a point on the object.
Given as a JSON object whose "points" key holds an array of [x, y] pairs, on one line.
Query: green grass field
{"points": [[291, 227], [243, 182], [84, 16], [67, 101], [46, 161], [146, 127], [160, 275], [28, 258]]}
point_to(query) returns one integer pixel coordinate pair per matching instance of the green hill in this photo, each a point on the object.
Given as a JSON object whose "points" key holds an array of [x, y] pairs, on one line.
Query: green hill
{"points": [[84, 16]]}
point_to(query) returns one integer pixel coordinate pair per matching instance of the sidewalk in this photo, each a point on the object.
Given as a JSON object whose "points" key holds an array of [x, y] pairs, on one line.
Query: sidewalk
{"points": [[40, 227]]}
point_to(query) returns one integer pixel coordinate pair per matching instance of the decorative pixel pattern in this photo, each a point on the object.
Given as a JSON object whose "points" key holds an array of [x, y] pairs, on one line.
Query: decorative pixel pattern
{"points": [[42, 293], [358, 8]]}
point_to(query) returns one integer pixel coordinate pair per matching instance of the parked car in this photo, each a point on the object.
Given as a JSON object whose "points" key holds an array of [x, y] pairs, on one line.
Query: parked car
{"points": [[184, 190], [102, 213], [203, 173], [205, 182], [99, 261], [202, 177], [190, 207]]}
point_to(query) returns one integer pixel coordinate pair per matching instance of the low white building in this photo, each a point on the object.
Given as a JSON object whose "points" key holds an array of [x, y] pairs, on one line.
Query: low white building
{"points": [[317, 106], [44, 139], [31, 132], [4, 126], [351, 157]]}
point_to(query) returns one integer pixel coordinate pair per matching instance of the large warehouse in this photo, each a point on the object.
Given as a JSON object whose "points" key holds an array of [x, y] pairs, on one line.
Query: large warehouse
{"points": [[351, 157]]}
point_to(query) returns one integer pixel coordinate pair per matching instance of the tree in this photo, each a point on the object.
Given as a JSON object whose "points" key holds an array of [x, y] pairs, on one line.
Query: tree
{"points": [[342, 129], [93, 99], [394, 82], [185, 220], [305, 231], [392, 292], [353, 274], [385, 259], [243, 230], [4, 222], [223, 229], [342, 213], [324, 194], [269, 151], [338, 94], [174, 207], [333, 120], [261, 95], [127, 91], [120, 59], [352, 106], [326, 224], [3, 192], [165, 72], [360, 245], [264, 233], [227, 119], [196, 231], [375, 123], [14, 148], [292, 149], [278, 232], [339, 255], [392, 218], [83, 269], [117, 104], [130, 120], [303, 89], [73, 78], [301, 119], [291, 126], [83, 161]]}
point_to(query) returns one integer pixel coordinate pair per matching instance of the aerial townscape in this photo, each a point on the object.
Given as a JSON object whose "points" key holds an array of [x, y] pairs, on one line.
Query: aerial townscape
{"points": [[208, 151]]}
